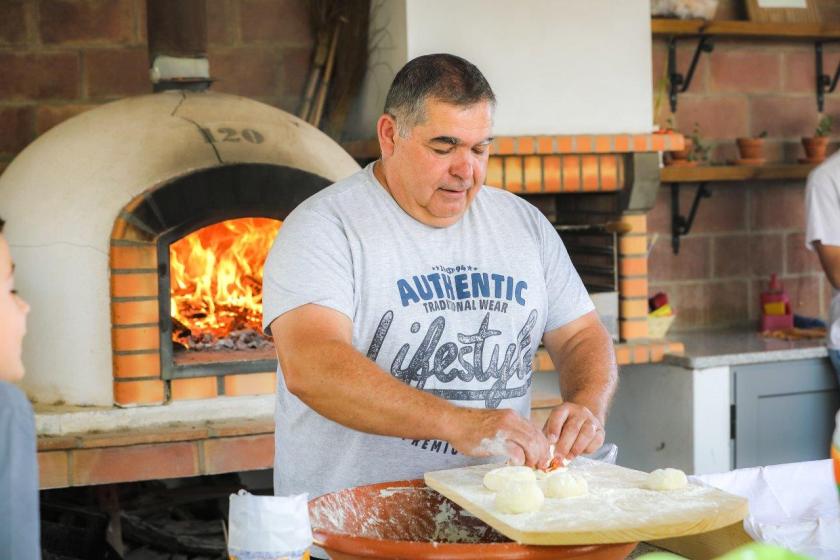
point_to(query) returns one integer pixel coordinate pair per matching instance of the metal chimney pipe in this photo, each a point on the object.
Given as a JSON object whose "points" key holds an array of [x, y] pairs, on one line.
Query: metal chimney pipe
{"points": [[178, 44]]}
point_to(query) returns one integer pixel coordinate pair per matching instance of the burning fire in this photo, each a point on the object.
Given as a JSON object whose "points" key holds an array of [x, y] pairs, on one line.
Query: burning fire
{"points": [[217, 275]]}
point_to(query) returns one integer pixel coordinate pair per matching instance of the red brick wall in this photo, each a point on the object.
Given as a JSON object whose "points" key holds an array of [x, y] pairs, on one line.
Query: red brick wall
{"points": [[747, 229], [61, 57]]}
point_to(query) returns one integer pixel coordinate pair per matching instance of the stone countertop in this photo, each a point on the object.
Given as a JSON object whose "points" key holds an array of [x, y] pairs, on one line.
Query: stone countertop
{"points": [[706, 349]]}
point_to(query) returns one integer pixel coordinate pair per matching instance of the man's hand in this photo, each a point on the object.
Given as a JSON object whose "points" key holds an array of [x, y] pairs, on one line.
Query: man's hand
{"points": [[583, 353], [485, 433], [573, 430]]}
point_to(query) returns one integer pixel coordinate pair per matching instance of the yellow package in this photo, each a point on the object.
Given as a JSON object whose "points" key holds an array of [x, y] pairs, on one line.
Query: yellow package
{"points": [[774, 308], [663, 311]]}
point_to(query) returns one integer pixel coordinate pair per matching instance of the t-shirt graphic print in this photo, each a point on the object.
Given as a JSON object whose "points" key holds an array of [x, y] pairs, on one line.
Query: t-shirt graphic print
{"points": [[499, 371]]}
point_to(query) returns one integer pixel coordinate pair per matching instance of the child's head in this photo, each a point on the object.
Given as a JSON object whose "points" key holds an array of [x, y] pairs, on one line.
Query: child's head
{"points": [[13, 312]]}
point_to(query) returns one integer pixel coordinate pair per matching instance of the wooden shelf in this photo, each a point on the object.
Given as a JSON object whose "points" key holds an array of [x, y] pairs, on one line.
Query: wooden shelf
{"points": [[749, 29], [705, 174]]}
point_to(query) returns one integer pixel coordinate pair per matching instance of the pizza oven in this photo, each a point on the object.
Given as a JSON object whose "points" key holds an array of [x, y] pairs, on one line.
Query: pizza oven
{"points": [[140, 229]]}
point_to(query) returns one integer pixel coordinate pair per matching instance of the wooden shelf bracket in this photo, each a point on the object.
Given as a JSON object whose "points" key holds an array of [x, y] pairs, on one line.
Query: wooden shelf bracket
{"points": [[825, 84], [680, 83], [681, 225]]}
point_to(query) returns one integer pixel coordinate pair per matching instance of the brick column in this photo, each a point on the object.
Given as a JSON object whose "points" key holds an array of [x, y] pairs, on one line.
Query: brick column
{"points": [[135, 321], [632, 279]]}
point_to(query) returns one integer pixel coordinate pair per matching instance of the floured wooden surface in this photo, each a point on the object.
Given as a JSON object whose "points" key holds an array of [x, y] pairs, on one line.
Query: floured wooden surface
{"points": [[617, 509]]}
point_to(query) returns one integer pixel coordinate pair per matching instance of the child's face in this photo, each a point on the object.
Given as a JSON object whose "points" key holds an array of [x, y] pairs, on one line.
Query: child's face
{"points": [[13, 311]]}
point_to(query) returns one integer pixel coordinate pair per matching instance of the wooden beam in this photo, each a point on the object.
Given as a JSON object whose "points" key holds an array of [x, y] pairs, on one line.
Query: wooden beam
{"points": [[757, 30], [703, 174]]}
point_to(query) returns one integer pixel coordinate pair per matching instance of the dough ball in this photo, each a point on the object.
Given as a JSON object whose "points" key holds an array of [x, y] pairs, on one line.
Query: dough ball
{"points": [[666, 479], [496, 479], [564, 484], [519, 497]]}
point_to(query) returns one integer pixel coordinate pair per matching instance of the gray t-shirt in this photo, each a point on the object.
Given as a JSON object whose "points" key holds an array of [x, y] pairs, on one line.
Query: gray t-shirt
{"points": [[20, 536], [457, 312]]}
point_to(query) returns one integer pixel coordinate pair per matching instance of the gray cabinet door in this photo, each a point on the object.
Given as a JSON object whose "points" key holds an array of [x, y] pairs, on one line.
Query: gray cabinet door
{"points": [[784, 412]]}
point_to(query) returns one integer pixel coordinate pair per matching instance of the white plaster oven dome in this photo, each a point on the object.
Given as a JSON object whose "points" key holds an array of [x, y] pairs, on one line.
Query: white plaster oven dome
{"points": [[62, 194]]}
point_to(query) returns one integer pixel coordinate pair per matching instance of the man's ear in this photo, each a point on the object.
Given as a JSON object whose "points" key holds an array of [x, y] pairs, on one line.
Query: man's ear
{"points": [[386, 131]]}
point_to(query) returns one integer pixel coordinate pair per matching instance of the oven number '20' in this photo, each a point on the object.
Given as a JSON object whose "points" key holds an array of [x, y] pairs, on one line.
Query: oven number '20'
{"points": [[225, 134]]}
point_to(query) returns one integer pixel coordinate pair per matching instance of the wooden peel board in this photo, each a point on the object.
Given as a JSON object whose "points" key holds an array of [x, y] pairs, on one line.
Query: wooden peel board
{"points": [[617, 509]]}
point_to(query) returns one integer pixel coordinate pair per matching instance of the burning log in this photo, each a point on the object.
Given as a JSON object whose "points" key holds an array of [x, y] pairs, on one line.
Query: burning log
{"points": [[240, 339], [216, 286]]}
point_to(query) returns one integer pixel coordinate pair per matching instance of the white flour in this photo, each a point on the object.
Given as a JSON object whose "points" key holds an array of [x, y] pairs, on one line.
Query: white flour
{"points": [[495, 446]]}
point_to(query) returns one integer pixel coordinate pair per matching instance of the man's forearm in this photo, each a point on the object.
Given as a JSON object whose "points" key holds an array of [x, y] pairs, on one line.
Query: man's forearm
{"points": [[341, 384], [588, 374]]}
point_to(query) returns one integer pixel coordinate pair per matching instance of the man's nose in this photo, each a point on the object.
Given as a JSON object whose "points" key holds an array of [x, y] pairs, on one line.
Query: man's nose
{"points": [[462, 167]]}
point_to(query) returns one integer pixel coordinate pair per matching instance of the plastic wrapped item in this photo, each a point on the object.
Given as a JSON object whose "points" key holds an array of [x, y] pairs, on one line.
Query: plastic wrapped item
{"points": [[268, 527], [607, 453], [793, 506]]}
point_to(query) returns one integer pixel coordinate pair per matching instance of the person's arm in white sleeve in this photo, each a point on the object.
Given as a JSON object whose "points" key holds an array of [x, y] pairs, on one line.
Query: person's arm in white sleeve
{"points": [[822, 208]]}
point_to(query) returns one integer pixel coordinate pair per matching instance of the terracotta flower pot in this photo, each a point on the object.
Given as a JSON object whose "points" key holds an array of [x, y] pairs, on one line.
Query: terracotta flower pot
{"points": [[815, 148], [680, 157], [751, 148]]}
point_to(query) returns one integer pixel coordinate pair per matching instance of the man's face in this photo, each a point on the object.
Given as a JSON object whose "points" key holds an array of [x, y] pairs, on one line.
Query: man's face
{"points": [[435, 171], [13, 311]]}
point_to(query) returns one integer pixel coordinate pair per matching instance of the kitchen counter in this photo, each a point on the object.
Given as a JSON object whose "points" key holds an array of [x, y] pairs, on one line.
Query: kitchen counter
{"points": [[708, 349], [735, 399]]}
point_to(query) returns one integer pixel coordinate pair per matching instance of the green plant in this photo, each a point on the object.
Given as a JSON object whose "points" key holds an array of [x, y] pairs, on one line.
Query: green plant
{"points": [[762, 134], [661, 92], [824, 126], [699, 149]]}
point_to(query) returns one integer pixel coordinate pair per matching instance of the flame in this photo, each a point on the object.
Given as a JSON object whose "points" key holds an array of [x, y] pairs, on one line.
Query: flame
{"points": [[216, 276]]}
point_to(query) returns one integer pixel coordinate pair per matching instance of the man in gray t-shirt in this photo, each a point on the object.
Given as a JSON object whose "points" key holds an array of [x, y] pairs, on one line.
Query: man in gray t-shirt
{"points": [[407, 301]]}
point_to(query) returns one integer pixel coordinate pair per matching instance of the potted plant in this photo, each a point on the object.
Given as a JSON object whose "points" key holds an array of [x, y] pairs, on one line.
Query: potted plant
{"points": [[816, 145], [696, 151], [699, 148], [678, 157], [682, 157], [751, 149]]}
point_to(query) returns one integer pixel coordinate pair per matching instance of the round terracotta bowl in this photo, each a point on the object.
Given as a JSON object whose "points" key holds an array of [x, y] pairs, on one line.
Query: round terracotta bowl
{"points": [[406, 520]]}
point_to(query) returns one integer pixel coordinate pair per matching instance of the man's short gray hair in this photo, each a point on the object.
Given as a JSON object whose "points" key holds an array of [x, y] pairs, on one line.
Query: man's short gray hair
{"points": [[442, 77]]}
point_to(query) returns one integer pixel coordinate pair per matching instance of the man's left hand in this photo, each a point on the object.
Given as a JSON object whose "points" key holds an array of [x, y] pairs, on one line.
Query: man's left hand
{"points": [[574, 430]]}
